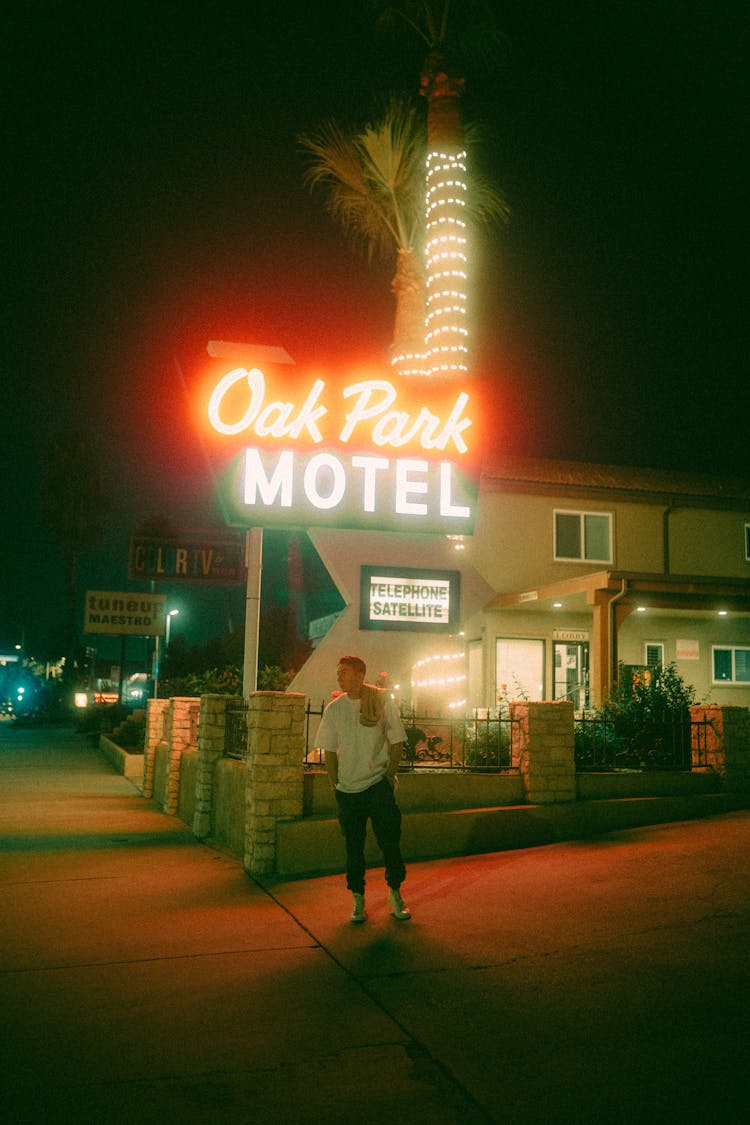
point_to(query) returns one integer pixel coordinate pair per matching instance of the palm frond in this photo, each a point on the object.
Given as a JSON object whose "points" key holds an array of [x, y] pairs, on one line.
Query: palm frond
{"points": [[335, 166], [467, 29], [393, 155], [372, 179], [334, 158], [485, 202]]}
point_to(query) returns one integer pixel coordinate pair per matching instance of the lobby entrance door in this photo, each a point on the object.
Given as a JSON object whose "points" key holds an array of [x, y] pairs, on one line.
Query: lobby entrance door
{"points": [[571, 664]]}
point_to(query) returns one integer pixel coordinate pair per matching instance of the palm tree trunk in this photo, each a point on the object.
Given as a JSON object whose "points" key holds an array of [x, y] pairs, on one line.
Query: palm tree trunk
{"points": [[408, 287], [443, 88], [446, 335]]}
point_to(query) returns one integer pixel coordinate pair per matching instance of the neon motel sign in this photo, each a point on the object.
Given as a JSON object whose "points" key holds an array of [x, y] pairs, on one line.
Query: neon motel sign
{"points": [[365, 454]]}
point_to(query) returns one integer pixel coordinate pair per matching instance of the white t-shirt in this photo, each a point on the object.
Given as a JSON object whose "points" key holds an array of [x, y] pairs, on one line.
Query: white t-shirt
{"points": [[362, 751]]}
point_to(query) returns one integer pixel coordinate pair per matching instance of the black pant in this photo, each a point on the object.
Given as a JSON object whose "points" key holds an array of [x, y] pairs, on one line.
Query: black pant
{"points": [[377, 804]]}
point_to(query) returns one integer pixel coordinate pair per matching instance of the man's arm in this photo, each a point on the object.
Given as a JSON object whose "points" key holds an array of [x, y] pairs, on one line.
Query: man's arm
{"points": [[395, 754], [332, 765]]}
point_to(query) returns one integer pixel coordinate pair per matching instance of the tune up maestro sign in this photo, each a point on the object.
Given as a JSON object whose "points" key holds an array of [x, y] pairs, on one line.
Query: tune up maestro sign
{"points": [[121, 613], [406, 599], [375, 453]]}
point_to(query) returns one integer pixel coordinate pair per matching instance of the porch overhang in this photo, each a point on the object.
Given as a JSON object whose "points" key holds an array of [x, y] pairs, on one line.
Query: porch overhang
{"points": [[612, 595]]}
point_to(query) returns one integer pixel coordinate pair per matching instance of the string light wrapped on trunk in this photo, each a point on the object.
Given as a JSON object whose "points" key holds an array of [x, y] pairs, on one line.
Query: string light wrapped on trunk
{"points": [[446, 332]]}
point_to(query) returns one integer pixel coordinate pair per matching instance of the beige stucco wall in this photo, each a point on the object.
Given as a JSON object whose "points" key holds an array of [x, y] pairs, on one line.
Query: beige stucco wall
{"points": [[512, 551], [708, 543], [513, 547], [344, 552], [707, 631]]}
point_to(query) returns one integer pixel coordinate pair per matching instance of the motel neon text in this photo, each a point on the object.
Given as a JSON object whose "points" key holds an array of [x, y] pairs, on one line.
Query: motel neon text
{"points": [[374, 417], [407, 486]]}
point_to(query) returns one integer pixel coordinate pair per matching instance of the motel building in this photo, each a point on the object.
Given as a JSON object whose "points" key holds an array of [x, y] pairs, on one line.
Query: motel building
{"points": [[571, 571], [472, 579]]}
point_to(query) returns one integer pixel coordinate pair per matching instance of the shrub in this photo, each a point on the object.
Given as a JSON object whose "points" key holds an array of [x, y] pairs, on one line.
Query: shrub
{"points": [[214, 681], [225, 681], [645, 724], [131, 734]]}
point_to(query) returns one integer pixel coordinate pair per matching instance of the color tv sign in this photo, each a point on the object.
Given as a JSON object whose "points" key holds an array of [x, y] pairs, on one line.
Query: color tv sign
{"points": [[365, 453]]}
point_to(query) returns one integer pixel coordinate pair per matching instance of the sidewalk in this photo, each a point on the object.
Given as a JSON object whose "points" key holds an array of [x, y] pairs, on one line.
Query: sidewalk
{"points": [[145, 978]]}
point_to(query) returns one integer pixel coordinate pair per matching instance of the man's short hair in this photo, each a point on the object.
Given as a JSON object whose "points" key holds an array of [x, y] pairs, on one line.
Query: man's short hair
{"points": [[354, 662]]}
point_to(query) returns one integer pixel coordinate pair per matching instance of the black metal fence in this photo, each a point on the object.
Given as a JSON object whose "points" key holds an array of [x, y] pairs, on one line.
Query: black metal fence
{"points": [[235, 730], [461, 742], [669, 742], [490, 741]]}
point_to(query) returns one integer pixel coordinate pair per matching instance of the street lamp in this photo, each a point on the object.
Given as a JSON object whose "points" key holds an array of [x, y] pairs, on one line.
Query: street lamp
{"points": [[172, 613]]}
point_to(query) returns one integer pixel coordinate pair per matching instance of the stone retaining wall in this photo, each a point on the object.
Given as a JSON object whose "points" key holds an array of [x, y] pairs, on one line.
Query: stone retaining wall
{"points": [[275, 749], [242, 804], [171, 729]]}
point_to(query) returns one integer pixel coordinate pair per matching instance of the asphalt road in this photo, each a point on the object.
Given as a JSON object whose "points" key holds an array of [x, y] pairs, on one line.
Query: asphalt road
{"points": [[145, 977]]}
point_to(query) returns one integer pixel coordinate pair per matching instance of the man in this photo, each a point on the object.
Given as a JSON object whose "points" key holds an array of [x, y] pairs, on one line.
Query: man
{"points": [[363, 738]]}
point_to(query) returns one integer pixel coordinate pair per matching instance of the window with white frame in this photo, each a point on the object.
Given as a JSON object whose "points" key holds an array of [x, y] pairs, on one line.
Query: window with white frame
{"points": [[519, 669], [583, 536], [653, 654], [731, 665]]}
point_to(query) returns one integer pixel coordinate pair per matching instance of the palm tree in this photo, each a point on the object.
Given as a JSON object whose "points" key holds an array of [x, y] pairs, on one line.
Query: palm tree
{"points": [[452, 33], [374, 183], [456, 33]]}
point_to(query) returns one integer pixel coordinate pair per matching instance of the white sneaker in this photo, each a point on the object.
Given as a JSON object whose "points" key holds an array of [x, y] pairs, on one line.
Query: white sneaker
{"points": [[398, 906], [359, 913]]}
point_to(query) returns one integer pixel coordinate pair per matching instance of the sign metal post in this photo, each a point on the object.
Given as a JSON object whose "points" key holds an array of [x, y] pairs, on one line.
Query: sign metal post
{"points": [[254, 563]]}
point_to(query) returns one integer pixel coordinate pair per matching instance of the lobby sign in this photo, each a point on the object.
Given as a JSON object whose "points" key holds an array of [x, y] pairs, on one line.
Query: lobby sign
{"points": [[366, 453], [402, 598], [574, 636], [121, 613], [195, 557]]}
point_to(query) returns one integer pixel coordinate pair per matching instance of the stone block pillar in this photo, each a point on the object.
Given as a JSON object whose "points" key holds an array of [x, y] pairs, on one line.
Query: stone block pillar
{"points": [[156, 713], [181, 733], [275, 753], [211, 724], [547, 752], [726, 748]]}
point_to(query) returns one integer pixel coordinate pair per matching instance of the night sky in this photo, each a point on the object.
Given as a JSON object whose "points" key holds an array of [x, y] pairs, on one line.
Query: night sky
{"points": [[154, 199]]}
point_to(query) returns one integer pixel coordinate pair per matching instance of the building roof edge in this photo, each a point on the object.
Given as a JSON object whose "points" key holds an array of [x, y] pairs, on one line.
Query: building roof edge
{"points": [[528, 474]]}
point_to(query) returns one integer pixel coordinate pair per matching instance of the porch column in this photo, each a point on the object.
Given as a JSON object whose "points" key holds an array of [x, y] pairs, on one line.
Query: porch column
{"points": [[607, 619], [601, 648]]}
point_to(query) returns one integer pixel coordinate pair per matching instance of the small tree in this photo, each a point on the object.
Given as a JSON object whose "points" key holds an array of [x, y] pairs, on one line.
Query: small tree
{"points": [[647, 717], [652, 694]]}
